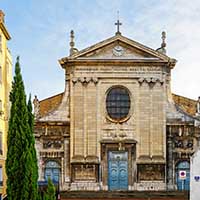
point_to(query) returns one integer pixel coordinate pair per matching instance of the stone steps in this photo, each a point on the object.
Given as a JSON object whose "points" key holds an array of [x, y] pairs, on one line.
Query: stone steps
{"points": [[129, 195]]}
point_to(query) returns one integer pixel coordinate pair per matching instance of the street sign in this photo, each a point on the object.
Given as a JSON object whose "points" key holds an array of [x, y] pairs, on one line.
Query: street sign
{"points": [[182, 174], [197, 178]]}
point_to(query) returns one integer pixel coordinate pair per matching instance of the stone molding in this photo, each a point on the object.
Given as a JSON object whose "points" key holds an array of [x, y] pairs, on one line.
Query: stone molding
{"points": [[85, 80], [151, 186], [52, 154], [83, 160], [150, 80]]}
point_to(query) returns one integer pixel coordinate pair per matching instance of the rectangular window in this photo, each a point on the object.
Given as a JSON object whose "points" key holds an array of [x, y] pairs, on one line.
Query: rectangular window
{"points": [[1, 143], [1, 176], [0, 74], [1, 106], [7, 68], [0, 43]]}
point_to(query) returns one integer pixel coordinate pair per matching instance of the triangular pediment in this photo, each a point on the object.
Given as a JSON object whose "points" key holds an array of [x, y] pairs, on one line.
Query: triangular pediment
{"points": [[117, 50], [119, 47]]}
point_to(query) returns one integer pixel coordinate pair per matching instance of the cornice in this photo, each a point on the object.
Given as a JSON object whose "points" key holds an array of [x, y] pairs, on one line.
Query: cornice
{"points": [[50, 123], [114, 62], [3, 28], [78, 57]]}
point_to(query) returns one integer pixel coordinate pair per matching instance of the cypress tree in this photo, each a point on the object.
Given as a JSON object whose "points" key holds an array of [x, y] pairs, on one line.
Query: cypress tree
{"points": [[51, 192], [33, 172], [39, 196], [20, 162]]}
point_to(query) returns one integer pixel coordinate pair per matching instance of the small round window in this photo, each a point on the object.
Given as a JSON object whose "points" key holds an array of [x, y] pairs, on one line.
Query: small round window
{"points": [[118, 103]]}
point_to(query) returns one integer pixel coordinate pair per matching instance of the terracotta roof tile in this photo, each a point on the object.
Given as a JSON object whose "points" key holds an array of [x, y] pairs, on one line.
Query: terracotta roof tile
{"points": [[186, 104], [49, 104]]}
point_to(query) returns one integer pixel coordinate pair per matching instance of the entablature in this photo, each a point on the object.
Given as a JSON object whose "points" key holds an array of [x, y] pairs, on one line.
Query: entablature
{"points": [[51, 130]]}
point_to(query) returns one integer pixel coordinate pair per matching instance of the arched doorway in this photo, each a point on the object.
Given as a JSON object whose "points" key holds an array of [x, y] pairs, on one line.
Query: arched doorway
{"points": [[52, 171], [183, 175]]}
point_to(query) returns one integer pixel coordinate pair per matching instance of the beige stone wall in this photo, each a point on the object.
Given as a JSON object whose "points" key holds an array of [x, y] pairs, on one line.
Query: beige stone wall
{"points": [[110, 130], [158, 128], [79, 123], [5, 88], [84, 121], [152, 120], [146, 123], [91, 117]]}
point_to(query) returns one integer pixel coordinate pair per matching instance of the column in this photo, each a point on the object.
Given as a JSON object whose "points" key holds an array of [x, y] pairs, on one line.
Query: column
{"points": [[170, 185]]}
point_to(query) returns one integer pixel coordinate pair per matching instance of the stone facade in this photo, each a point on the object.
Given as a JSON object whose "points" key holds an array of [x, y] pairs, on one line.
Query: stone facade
{"points": [[5, 88], [195, 176], [96, 151]]}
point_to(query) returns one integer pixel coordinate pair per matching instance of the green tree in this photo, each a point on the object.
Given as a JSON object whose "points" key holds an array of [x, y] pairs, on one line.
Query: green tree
{"points": [[33, 173], [39, 196], [21, 157], [51, 192]]}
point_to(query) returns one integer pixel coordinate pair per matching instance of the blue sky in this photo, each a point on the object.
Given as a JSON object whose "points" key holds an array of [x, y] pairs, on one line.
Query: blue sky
{"points": [[40, 35]]}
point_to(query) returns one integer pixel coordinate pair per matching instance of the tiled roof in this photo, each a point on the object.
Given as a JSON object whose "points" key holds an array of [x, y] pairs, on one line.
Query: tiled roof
{"points": [[49, 104], [185, 104]]}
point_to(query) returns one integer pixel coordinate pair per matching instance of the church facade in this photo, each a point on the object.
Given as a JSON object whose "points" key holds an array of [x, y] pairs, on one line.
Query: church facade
{"points": [[117, 126]]}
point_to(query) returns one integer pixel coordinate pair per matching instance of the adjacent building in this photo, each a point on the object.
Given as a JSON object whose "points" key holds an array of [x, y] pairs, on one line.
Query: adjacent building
{"points": [[117, 126], [5, 87]]}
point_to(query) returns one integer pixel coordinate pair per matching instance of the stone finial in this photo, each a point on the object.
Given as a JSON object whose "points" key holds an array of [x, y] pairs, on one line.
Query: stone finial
{"points": [[2, 16], [72, 39], [198, 106], [36, 104], [163, 45], [162, 49], [72, 43]]}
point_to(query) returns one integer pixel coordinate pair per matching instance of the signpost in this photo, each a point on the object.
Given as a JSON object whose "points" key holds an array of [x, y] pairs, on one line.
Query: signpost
{"points": [[182, 176]]}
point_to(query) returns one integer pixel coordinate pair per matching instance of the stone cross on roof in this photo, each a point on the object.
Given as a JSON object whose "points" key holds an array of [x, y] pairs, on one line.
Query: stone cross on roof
{"points": [[118, 23]]}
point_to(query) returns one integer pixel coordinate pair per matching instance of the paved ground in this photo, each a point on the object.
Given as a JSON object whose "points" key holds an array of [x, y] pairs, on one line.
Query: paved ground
{"points": [[166, 198], [131, 199], [102, 195]]}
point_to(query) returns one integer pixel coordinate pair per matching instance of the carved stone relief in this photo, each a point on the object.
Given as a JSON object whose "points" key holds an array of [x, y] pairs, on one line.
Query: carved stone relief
{"points": [[150, 80], [49, 130], [182, 137], [151, 172], [85, 172], [85, 80], [56, 144]]}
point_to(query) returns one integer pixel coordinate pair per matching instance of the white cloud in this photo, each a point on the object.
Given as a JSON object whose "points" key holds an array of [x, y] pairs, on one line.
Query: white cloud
{"points": [[42, 36]]}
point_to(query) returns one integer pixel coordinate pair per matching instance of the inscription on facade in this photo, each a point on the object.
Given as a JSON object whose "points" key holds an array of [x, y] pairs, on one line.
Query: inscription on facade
{"points": [[129, 69]]}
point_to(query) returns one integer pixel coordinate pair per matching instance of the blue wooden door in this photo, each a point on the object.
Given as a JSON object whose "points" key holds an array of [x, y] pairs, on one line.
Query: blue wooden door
{"points": [[183, 184], [53, 174], [118, 170], [52, 171]]}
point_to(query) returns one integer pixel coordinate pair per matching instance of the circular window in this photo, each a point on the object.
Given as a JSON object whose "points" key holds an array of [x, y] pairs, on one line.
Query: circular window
{"points": [[118, 103]]}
